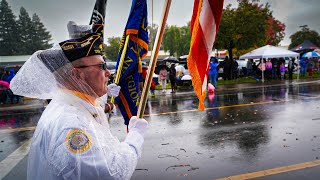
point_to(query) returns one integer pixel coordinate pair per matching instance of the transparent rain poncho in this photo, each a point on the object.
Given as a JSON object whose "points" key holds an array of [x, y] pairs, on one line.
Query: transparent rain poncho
{"points": [[72, 139]]}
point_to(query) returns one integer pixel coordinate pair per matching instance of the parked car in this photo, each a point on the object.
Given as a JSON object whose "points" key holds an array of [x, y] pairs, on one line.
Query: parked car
{"points": [[111, 66]]}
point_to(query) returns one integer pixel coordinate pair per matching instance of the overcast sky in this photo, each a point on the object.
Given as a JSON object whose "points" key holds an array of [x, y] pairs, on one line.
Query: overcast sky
{"points": [[55, 14]]}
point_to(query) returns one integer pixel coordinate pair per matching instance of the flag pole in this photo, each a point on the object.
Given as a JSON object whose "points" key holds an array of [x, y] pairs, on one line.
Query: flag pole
{"points": [[123, 54], [153, 60], [117, 78]]}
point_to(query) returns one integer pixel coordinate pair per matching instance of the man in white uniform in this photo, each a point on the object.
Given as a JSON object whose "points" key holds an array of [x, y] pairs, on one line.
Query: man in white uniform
{"points": [[72, 139]]}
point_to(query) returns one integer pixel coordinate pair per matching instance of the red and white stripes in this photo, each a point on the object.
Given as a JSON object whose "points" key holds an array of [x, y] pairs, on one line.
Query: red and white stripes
{"points": [[204, 28]]}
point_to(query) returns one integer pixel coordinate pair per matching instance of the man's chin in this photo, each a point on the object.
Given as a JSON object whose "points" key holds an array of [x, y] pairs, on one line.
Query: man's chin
{"points": [[103, 92]]}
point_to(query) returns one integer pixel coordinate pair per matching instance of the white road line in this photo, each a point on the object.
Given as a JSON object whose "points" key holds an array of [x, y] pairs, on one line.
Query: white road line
{"points": [[14, 158]]}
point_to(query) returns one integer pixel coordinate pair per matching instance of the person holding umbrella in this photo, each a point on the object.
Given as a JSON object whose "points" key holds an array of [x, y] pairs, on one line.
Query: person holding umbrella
{"points": [[172, 77], [313, 56], [310, 67], [163, 77], [303, 66]]}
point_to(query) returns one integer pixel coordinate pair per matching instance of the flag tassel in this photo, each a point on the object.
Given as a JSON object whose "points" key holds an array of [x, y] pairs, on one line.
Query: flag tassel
{"points": [[196, 83]]}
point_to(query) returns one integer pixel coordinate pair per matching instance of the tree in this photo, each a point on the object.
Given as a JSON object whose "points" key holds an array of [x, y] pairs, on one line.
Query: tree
{"points": [[176, 40], [22, 36], [112, 48], [152, 35], [25, 31], [8, 30], [251, 25], [246, 26], [185, 39], [170, 39], [39, 35], [275, 31], [226, 34], [304, 34]]}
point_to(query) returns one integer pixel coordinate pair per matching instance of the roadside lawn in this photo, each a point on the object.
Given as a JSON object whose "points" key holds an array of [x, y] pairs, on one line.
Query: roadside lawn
{"points": [[316, 75]]}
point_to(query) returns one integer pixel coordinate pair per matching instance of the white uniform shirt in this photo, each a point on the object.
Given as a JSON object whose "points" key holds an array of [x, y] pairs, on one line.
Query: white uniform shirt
{"points": [[73, 141]]}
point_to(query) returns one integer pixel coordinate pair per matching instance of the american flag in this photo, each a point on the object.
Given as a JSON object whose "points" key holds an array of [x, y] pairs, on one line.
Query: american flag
{"points": [[204, 28]]}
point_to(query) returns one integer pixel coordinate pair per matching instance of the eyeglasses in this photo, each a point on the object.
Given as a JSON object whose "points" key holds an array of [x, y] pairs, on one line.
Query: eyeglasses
{"points": [[101, 66]]}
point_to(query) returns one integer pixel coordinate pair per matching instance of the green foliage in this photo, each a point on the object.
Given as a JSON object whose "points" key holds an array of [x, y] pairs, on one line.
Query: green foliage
{"points": [[112, 49], [184, 42], [152, 35], [176, 40], [21, 36], [304, 34], [170, 39], [39, 35], [8, 30], [25, 32], [239, 80], [251, 25], [247, 26], [227, 34]]}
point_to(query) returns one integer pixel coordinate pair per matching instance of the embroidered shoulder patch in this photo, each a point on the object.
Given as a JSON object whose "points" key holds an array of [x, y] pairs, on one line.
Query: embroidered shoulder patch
{"points": [[78, 141]]}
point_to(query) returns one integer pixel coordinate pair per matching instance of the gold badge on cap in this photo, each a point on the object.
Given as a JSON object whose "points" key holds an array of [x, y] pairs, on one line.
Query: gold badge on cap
{"points": [[78, 141], [88, 45]]}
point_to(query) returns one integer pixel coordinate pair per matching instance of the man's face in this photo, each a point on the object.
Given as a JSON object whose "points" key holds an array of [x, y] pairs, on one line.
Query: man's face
{"points": [[93, 73]]}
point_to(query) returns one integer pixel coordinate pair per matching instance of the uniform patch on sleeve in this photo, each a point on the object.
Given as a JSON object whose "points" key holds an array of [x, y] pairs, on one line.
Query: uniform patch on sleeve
{"points": [[78, 141]]}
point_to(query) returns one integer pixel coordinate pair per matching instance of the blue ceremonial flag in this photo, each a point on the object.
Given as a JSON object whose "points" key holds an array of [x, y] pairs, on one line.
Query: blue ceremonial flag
{"points": [[137, 49]]}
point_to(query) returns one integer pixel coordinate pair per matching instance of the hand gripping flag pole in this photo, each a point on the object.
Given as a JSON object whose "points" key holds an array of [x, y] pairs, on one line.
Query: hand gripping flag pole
{"points": [[133, 48], [154, 57], [118, 74]]}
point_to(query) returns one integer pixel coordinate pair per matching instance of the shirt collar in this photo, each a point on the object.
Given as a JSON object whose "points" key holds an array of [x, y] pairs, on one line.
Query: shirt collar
{"points": [[85, 97]]}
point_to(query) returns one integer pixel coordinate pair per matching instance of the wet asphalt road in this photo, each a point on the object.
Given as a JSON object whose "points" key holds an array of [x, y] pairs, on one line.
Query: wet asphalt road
{"points": [[241, 131]]}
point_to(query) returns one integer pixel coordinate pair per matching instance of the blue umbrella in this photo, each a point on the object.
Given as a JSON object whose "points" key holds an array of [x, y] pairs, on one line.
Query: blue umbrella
{"points": [[311, 54]]}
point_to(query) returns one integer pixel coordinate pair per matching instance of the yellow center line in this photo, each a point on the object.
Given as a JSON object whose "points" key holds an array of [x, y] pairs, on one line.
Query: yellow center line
{"points": [[174, 112], [224, 107], [273, 171]]}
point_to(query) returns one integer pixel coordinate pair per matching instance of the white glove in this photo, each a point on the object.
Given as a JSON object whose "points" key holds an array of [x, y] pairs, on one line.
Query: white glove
{"points": [[113, 90], [139, 125]]}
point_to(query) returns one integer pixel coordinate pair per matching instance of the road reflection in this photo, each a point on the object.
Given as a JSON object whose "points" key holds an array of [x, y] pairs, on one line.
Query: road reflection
{"points": [[19, 120], [10, 141], [250, 140]]}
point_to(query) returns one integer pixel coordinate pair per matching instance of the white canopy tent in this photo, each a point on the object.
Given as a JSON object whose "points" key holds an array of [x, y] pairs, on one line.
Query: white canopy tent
{"points": [[269, 51]]}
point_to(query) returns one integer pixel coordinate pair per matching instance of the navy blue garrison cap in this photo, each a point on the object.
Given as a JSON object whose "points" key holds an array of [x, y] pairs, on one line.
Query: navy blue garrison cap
{"points": [[88, 45]]}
